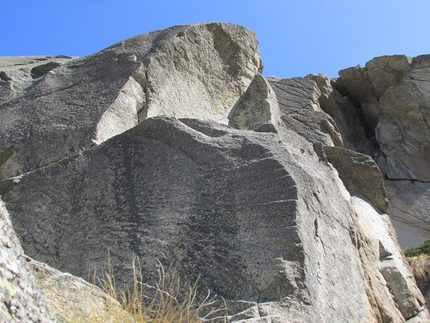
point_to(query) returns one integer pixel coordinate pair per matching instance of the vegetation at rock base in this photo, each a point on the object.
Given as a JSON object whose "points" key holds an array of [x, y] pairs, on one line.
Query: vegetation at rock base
{"points": [[170, 300], [420, 266], [419, 260]]}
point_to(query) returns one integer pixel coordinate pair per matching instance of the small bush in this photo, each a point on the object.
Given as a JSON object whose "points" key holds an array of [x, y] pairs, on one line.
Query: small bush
{"points": [[416, 251]]}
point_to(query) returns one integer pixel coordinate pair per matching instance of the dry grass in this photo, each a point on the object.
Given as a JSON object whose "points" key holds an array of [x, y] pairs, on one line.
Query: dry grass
{"points": [[168, 301], [420, 266]]}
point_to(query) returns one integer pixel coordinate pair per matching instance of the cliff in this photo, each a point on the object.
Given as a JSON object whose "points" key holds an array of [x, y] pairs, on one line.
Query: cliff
{"points": [[280, 194]]}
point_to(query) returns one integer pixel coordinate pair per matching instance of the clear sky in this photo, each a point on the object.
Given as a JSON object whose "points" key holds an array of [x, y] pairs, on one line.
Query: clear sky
{"points": [[296, 37]]}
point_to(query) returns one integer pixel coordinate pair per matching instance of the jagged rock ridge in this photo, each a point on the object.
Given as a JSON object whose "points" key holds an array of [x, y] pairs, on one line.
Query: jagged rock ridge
{"points": [[283, 211]]}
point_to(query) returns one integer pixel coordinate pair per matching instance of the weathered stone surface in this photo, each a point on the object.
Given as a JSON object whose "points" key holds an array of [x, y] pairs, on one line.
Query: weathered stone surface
{"points": [[410, 211], [16, 73], [300, 110], [91, 99], [393, 92], [21, 297], [256, 107], [360, 174], [397, 90], [387, 71], [72, 299], [258, 219], [257, 212], [386, 272], [404, 131]]}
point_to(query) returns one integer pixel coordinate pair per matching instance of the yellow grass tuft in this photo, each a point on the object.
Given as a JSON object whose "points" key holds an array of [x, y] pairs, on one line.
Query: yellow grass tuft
{"points": [[168, 301], [420, 266]]}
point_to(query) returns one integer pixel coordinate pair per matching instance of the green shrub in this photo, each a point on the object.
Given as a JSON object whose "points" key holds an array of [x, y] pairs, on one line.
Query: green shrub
{"points": [[416, 251]]}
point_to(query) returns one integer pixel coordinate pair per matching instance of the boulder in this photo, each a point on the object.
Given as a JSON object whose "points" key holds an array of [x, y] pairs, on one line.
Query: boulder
{"points": [[387, 71], [256, 107], [88, 100], [258, 219]]}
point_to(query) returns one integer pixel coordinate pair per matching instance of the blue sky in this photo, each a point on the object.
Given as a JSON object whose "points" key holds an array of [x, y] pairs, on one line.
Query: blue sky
{"points": [[296, 37]]}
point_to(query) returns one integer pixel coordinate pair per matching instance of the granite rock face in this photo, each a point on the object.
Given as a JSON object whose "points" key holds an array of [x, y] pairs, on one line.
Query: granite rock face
{"points": [[34, 292], [170, 146], [88, 100], [21, 297], [72, 299], [300, 110], [257, 218], [360, 174], [393, 93]]}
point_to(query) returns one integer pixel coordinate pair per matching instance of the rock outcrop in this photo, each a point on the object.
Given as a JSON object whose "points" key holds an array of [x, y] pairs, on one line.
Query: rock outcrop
{"points": [[21, 297], [190, 71], [34, 292], [393, 93], [171, 146]]}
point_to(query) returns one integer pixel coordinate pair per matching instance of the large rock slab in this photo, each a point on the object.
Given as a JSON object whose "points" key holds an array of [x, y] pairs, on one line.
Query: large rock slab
{"points": [[300, 110], [410, 211], [258, 219], [88, 100], [360, 174]]}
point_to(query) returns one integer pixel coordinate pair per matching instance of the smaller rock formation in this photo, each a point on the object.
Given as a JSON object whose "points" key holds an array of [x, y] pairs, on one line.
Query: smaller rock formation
{"points": [[300, 110], [72, 299], [360, 174], [21, 297], [256, 107]]}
